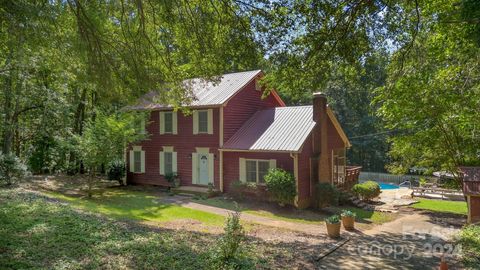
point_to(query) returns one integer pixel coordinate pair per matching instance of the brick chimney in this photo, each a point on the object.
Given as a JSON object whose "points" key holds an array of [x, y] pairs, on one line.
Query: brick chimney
{"points": [[320, 145]]}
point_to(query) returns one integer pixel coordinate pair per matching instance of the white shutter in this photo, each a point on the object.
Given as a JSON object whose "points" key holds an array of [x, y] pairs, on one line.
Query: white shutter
{"points": [[194, 168], [210, 121], [162, 122], [174, 122], [211, 163], [273, 163], [131, 161], [242, 170], [162, 163], [174, 162], [142, 154], [195, 122]]}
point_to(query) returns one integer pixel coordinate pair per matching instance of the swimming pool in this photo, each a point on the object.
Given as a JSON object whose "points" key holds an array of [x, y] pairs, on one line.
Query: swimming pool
{"points": [[387, 186]]}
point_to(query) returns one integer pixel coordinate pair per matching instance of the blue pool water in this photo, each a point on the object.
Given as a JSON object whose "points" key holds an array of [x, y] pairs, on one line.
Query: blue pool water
{"points": [[388, 186]]}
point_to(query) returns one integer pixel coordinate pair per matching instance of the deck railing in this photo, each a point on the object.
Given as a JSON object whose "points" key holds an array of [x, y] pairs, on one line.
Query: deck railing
{"points": [[471, 187], [351, 178]]}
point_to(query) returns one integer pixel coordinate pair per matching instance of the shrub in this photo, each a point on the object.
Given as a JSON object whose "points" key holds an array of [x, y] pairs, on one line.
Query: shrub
{"points": [[239, 190], [11, 169], [367, 190], [335, 219], [327, 194], [228, 252], [116, 170], [281, 185], [469, 239]]}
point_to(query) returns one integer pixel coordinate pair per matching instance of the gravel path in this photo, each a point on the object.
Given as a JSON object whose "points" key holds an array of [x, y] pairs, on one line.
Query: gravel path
{"points": [[314, 229]]}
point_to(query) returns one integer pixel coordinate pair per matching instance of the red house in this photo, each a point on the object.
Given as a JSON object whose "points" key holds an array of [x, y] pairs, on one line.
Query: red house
{"points": [[235, 134]]}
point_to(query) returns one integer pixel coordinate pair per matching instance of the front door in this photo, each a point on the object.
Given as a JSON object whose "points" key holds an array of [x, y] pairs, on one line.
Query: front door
{"points": [[203, 178]]}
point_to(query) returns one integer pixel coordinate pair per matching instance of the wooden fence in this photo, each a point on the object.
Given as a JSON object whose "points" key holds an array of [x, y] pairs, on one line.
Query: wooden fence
{"points": [[388, 178]]}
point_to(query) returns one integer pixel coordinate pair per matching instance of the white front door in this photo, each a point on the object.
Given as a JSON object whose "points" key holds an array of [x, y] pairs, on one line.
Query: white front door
{"points": [[203, 178]]}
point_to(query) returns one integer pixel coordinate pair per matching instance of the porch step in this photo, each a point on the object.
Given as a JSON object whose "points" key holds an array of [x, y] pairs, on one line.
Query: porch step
{"points": [[190, 191]]}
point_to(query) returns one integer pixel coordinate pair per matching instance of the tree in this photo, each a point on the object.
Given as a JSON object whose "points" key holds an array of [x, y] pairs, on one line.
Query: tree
{"points": [[432, 96], [105, 139]]}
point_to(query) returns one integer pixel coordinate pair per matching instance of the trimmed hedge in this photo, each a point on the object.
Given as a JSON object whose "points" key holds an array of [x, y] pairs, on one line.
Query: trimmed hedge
{"points": [[367, 190]]}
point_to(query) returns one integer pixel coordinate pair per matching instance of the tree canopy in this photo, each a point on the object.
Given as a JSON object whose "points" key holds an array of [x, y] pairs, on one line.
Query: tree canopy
{"points": [[402, 76]]}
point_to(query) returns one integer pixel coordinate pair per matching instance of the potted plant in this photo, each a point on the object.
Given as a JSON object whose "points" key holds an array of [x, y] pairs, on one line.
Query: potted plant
{"points": [[333, 226], [173, 179], [348, 219]]}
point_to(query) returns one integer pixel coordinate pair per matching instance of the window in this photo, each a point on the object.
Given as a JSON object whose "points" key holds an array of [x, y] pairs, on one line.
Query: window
{"points": [[251, 171], [263, 167], [255, 170], [203, 121], [168, 122], [137, 161], [168, 162]]}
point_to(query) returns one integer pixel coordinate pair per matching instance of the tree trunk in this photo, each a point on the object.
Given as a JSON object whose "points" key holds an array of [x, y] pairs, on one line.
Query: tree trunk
{"points": [[78, 129], [90, 181], [7, 111]]}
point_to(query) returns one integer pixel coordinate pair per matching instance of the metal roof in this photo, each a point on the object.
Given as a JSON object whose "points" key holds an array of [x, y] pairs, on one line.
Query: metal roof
{"points": [[206, 93], [277, 129]]}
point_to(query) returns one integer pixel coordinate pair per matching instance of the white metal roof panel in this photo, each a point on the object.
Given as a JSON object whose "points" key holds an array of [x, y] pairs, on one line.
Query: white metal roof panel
{"points": [[276, 129], [206, 93]]}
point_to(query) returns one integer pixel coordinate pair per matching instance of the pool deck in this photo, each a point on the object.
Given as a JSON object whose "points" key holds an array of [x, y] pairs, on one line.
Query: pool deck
{"points": [[392, 199]]}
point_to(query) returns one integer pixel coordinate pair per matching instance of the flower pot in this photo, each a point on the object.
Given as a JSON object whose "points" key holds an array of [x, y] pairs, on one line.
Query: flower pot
{"points": [[333, 230], [176, 182], [348, 222]]}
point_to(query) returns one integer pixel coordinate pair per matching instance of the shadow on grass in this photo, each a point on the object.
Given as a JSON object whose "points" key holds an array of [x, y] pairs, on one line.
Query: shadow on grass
{"points": [[38, 233]]}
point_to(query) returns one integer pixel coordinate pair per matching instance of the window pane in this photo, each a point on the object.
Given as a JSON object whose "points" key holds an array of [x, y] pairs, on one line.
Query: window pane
{"points": [[203, 121], [263, 167], [137, 161], [168, 162], [251, 167], [168, 122]]}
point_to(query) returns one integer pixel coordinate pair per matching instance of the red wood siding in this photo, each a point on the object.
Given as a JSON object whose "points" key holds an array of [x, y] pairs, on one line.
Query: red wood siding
{"points": [[231, 162], [242, 106], [304, 170], [184, 143], [334, 139]]}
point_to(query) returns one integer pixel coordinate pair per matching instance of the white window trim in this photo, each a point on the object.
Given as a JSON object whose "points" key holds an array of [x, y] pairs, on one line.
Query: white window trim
{"points": [[196, 123], [162, 122], [167, 149], [132, 159], [243, 168]]}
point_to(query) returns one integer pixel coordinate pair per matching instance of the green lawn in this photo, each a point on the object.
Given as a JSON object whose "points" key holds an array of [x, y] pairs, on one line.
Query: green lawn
{"points": [[469, 239], [442, 206], [121, 203], [38, 234], [300, 216]]}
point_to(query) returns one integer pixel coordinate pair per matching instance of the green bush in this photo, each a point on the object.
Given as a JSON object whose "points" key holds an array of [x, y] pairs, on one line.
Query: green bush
{"points": [[281, 185], [240, 190], [327, 194], [367, 190], [12, 169], [469, 239], [116, 170], [228, 252]]}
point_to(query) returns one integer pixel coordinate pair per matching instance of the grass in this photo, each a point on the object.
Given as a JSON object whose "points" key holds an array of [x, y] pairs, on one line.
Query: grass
{"points": [[470, 242], [125, 204], [38, 234], [442, 206], [299, 216], [367, 216]]}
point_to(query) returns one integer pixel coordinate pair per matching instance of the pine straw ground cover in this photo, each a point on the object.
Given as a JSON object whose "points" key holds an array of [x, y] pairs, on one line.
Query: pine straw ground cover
{"points": [[38, 232]]}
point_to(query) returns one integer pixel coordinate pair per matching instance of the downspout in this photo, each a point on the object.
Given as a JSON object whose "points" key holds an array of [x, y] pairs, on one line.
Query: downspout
{"points": [[220, 145]]}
